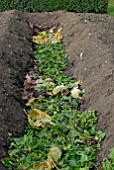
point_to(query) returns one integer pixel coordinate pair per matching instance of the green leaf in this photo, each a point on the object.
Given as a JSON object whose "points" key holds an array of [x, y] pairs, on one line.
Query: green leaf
{"points": [[100, 136]]}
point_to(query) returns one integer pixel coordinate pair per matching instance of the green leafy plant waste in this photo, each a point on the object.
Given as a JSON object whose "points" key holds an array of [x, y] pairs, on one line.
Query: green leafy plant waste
{"points": [[74, 132]]}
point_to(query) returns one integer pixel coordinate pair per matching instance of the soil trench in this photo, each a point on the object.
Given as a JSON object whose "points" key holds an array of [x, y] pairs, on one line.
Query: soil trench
{"points": [[89, 41]]}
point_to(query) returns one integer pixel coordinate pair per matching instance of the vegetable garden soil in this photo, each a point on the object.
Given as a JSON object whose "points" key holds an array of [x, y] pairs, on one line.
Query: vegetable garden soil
{"points": [[89, 42]]}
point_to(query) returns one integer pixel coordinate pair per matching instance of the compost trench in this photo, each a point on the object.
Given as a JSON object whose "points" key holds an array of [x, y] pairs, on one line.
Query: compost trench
{"points": [[89, 42]]}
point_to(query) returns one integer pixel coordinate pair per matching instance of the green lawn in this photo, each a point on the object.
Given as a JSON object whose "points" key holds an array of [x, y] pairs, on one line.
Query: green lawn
{"points": [[111, 7]]}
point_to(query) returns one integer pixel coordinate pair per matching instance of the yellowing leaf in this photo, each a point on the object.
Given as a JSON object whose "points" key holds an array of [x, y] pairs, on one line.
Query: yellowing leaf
{"points": [[43, 33], [39, 81], [30, 101], [51, 84], [37, 118], [59, 30], [42, 166], [63, 89], [54, 154], [57, 34], [50, 93], [52, 30], [75, 92], [57, 37], [58, 89], [78, 83], [48, 80], [37, 38], [64, 92]]}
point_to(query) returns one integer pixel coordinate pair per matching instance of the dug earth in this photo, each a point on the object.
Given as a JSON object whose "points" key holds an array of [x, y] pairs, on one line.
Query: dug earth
{"points": [[89, 42]]}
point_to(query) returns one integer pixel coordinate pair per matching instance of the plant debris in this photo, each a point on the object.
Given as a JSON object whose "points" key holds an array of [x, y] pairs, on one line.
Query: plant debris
{"points": [[53, 156], [37, 118], [58, 135], [48, 36]]}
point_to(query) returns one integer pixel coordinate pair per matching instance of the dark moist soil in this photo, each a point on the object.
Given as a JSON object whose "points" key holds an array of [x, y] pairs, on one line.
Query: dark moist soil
{"points": [[89, 41]]}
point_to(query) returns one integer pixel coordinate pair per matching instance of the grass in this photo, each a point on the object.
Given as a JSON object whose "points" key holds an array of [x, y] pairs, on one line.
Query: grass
{"points": [[111, 7], [108, 163]]}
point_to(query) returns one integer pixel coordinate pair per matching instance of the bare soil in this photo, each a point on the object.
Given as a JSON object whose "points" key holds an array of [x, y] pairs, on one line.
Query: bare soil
{"points": [[89, 42]]}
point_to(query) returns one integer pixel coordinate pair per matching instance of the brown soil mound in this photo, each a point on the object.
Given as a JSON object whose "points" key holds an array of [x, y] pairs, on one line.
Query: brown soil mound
{"points": [[15, 59], [89, 40]]}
